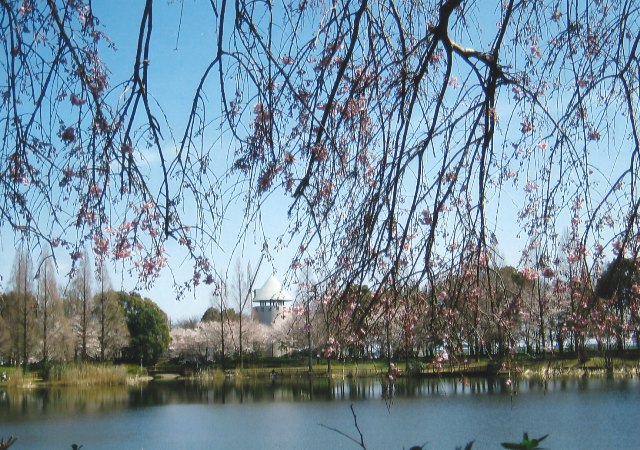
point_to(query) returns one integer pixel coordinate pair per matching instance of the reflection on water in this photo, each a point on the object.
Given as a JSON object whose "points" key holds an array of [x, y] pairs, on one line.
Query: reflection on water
{"points": [[20, 404], [594, 413], [24, 404]]}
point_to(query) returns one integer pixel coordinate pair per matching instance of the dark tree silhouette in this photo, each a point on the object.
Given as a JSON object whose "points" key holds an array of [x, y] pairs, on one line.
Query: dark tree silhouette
{"points": [[620, 285]]}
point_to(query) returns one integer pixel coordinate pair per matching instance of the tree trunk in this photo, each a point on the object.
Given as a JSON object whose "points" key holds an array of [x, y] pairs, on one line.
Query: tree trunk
{"points": [[541, 330], [84, 318], [222, 334], [45, 350], [102, 316]]}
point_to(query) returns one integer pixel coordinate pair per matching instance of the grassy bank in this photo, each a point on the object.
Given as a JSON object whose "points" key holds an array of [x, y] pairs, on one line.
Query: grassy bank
{"points": [[594, 365], [294, 370], [522, 365], [16, 377], [86, 374], [72, 374], [546, 366]]}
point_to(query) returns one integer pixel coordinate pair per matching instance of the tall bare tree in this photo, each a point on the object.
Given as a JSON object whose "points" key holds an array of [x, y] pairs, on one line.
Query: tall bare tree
{"points": [[26, 306], [219, 313], [10, 333], [100, 305], [109, 317], [80, 299], [244, 283], [5, 336], [55, 328], [113, 334]]}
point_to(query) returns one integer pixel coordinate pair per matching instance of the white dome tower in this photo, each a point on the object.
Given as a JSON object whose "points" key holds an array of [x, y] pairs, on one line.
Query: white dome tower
{"points": [[269, 301]]}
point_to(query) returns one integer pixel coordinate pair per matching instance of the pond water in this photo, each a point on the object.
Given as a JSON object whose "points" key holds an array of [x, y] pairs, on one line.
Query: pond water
{"points": [[594, 413]]}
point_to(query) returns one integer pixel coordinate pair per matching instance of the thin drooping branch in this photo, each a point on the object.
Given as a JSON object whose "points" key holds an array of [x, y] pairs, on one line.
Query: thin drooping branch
{"points": [[360, 440], [404, 140]]}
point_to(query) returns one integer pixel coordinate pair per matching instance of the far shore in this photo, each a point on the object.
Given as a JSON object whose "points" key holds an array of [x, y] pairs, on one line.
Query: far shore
{"points": [[521, 366], [547, 367]]}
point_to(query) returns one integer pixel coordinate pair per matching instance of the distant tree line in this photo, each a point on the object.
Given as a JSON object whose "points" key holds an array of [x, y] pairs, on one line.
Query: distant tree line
{"points": [[222, 334], [480, 311], [217, 338], [85, 320]]}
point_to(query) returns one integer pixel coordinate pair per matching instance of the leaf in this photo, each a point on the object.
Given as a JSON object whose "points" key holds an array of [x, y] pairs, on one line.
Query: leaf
{"points": [[526, 444], [540, 439], [513, 446]]}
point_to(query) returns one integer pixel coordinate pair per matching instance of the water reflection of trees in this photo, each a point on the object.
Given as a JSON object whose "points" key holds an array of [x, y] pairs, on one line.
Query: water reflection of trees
{"points": [[18, 404], [304, 389]]}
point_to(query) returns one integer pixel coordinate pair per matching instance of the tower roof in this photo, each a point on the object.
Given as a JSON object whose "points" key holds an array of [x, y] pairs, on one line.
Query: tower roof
{"points": [[272, 290]]}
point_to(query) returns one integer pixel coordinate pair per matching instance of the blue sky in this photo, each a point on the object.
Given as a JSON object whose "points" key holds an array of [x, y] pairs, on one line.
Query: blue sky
{"points": [[183, 42], [179, 55]]}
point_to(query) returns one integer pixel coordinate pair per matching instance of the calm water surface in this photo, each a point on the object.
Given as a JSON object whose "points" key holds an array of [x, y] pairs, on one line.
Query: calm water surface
{"points": [[577, 413]]}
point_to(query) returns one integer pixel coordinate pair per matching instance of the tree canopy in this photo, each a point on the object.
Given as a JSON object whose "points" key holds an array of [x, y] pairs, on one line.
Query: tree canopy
{"points": [[619, 288], [212, 314], [620, 278], [148, 328], [407, 137]]}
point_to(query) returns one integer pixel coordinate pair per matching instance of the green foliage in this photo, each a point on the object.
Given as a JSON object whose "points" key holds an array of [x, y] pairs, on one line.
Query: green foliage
{"points": [[514, 275], [617, 285], [212, 314], [134, 370], [526, 443], [618, 279], [15, 376], [415, 367], [18, 325], [148, 326]]}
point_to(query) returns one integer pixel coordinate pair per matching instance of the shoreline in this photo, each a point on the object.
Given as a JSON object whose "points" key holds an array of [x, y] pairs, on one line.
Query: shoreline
{"points": [[547, 368]]}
